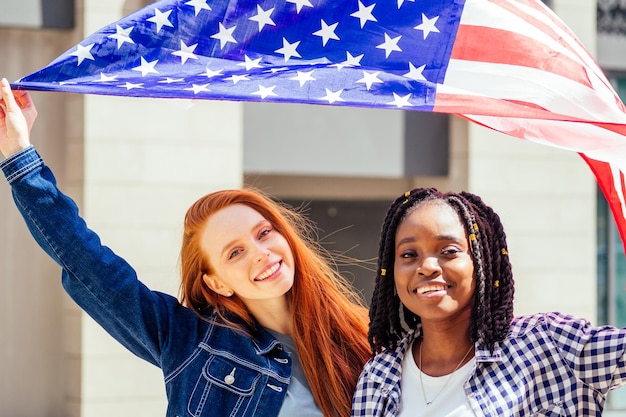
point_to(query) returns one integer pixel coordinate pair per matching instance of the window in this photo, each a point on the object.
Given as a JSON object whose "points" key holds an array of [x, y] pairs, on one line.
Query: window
{"points": [[611, 272]]}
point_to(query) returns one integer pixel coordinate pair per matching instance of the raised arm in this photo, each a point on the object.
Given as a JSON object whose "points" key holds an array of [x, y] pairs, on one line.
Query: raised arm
{"points": [[17, 116]]}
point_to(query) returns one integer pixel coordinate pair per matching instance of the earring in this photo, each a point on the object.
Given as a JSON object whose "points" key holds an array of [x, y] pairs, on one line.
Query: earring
{"points": [[229, 294]]}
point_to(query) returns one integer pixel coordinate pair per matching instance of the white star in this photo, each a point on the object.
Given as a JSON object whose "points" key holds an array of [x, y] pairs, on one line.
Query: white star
{"points": [[265, 91], [198, 5], [401, 101], [390, 45], [427, 25], [369, 79], [236, 78], [146, 67], [249, 64], [333, 96], [300, 3], [365, 13], [225, 35], [415, 73], [210, 73], [263, 17], [161, 19], [198, 88], [169, 80], [327, 32], [83, 52], [130, 86], [351, 61], [105, 78], [289, 49], [303, 77], [186, 52], [122, 35], [401, 2]]}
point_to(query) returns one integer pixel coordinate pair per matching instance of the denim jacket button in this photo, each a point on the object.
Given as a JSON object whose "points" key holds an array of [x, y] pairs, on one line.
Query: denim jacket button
{"points": [[229, 379]]}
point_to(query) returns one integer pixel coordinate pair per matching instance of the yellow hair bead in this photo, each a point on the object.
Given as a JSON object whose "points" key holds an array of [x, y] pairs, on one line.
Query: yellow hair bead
{"points": [[407, 194], [472, 236], [475, 226], [504, 252], [496, 283], [383, 272]]}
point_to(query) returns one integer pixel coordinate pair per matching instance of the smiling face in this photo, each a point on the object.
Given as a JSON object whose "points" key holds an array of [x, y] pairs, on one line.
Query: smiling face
{"points": [[247, 256], [433, 268]]}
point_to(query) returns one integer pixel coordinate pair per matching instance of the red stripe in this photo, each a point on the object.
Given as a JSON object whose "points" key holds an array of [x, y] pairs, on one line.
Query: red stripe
{"points": [[482, 44]]}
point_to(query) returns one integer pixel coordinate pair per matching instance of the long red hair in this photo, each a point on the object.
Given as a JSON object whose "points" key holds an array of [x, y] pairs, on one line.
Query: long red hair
{"points": [[329, 319]]}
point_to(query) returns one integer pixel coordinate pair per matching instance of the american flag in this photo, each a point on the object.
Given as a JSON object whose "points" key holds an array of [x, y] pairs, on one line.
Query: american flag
{"points": [[510, 65]]}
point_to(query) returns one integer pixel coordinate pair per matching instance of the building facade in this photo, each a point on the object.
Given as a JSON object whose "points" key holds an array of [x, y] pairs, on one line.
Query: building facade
{"points": [[135, 165]]}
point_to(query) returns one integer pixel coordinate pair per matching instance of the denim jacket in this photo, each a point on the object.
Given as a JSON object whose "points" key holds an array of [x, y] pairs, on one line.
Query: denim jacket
{"points": [[209, 370]]}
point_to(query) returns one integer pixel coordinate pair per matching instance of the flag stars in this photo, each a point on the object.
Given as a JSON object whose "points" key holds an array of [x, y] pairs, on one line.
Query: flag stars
{"points": [[300, 4], [327, 32], [161, 19], [199, 88], [400, 102], [225, 35], [369, 79], [364, 14], [250, 63], [236, 78], [289, 49], [130, 86], [83, 52], [122, 35], [105, 78], [265, 92], [263, 17], [415, 73], [333, 96], [198, 5], [427, 25], [186, 52], [209, 73], [351, 61], [390, 45], [401, 2], [146, 67], [303, 77]]}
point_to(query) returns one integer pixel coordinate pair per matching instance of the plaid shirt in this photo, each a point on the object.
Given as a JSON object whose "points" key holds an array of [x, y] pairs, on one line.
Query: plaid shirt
{"points": [[549, 365]]}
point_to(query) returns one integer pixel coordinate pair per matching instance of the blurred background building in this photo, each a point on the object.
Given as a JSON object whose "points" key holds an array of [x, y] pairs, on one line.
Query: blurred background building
{"points": [[135, 165]]}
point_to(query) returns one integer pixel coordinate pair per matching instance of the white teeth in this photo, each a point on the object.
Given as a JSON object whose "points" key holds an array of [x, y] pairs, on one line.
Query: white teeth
{"points": [[269, 272], [429, 288]]}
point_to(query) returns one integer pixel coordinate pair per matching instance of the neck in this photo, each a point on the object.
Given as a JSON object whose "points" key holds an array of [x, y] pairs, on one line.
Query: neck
{"points": [[443, 348], [272, 314]]}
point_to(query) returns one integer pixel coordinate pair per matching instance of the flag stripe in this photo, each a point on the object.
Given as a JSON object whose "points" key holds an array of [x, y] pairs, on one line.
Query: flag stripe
{"points": [[513, 49]]}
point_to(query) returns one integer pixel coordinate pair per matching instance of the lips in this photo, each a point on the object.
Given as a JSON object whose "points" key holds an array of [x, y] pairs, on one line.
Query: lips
{"points": [[268, 272]]}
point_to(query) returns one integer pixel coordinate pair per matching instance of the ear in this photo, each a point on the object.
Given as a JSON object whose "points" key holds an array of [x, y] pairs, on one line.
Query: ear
{"points": [[215, 284]]}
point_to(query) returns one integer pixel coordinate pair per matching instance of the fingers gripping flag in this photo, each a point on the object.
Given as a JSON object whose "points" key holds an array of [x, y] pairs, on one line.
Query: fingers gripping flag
{"points": [[510, 65]]}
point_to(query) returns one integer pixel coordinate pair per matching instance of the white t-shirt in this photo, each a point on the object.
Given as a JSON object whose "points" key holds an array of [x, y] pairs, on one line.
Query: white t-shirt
{"points": [[449, 402]]}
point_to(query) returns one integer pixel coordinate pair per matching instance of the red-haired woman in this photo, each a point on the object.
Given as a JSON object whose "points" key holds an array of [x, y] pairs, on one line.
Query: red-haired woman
{"points": [[264, 327]]}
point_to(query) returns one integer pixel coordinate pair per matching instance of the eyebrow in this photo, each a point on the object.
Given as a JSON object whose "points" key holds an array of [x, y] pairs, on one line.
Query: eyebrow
{"points": [[253, 228], [411, 239]]}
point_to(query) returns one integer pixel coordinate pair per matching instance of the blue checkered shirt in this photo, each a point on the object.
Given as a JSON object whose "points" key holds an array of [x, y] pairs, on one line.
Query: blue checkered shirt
{"points": [[549, 364]]}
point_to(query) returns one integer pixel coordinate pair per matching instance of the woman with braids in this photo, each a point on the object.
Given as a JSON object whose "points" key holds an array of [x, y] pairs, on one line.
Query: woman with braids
{"points": [[444, 336], [265, 327]]}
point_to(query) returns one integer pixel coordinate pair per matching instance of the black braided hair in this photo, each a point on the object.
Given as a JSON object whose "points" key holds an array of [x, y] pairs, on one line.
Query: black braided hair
{"points": [[492, 309]]}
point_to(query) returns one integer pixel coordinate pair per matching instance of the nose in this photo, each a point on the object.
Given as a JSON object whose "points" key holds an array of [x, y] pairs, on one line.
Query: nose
{"points": [[262, 252], [429, 266]]}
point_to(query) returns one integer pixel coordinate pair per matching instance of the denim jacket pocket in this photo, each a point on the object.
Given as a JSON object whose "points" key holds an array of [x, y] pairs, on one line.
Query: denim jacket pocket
{"points": [[225, 384]]}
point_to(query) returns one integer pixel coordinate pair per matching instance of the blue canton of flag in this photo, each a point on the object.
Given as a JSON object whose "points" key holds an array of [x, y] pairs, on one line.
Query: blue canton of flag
{"points": [[390, 53]]}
